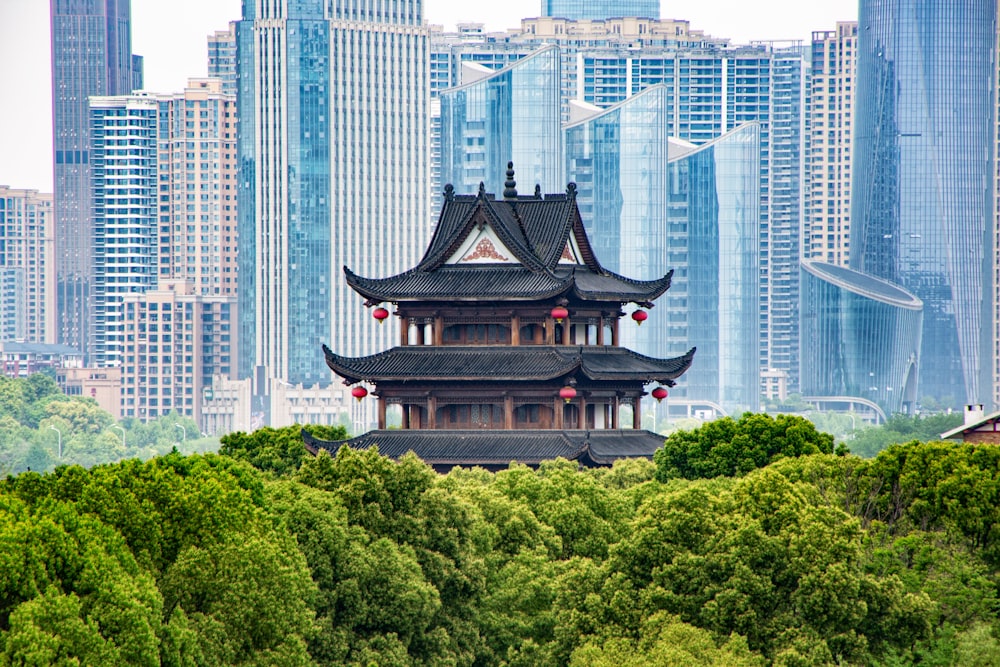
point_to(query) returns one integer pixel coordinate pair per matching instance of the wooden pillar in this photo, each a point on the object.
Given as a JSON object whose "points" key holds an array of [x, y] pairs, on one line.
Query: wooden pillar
{"points": [[558, 416], [539, 333], [406, 416], [432, 412], [404, 331], [614, 332], [637, 413], [550, 332], [600, 330], [515, 330], [381, 412], [419, 326], [508, 412], [615, 409], [567, 338], [438, 330], [582, 420]]}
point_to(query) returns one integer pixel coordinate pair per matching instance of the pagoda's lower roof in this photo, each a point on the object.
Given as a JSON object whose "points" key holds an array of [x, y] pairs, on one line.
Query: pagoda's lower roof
{"points": [[502, 282], [495, 450], [508, 363]]}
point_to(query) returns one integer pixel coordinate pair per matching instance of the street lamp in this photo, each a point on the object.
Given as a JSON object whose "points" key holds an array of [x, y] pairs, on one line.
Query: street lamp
{"points": [[59, 433], [123, 434], [184, 433]]}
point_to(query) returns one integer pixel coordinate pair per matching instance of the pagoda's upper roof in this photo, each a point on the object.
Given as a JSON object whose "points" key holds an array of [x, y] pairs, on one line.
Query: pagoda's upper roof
{"points": [[529, 247], [507, 363], [494, 449]]}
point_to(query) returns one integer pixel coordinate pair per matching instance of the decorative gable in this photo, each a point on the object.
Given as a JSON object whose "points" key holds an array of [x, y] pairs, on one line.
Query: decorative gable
{"points": [[482, 246], [571, 253]]}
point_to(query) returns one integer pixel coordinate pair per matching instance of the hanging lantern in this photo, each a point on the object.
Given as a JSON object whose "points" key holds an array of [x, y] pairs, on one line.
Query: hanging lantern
{"points": [[380, 314], [640, 316], [659, 394], [359, 392], [559, 313], [568, 393]]}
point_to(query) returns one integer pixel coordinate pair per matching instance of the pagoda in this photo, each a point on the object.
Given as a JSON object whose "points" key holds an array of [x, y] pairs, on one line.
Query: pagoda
{"points": [[509, 346]]}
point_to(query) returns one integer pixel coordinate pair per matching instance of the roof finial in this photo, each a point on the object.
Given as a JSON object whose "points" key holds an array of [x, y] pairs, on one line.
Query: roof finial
{"points": [[482, 189], [510, 185], [449, 192], [538, 191], [571, 190]]}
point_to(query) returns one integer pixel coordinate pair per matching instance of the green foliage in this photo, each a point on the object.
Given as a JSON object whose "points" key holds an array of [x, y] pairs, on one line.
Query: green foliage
{"points": [[277, 450], [728, 447], [778, 552], [900, 429]]}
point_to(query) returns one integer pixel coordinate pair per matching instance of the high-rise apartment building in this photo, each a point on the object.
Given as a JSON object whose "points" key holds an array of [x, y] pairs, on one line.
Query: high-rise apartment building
{"points": [[222, 58], [922, 196], [600, 9], [124, 174], [27, 266], [332, 148], [827, 225], [91, 55], [176, 340], [196, 187], [501, 115]]}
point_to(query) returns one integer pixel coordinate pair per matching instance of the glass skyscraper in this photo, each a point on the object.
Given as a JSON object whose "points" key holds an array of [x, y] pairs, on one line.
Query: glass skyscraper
{"points": [[653, 203], [91, 55], [332, 149], [862, 336], [600, 9], [923, 172], [506, 114]]}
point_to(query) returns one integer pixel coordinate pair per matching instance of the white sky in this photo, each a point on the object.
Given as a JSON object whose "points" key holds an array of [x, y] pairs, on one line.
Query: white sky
{"points": [[170, 34]]}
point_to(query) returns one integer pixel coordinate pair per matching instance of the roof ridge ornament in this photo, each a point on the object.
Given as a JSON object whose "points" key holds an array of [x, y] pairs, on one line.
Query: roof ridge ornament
{"points": [[510, 185], [571, 190], [538, 191], [449, 192], [482, 190]]}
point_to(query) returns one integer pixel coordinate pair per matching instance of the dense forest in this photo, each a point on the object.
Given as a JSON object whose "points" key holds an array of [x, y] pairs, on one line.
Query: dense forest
{"points": [[745, 542]]}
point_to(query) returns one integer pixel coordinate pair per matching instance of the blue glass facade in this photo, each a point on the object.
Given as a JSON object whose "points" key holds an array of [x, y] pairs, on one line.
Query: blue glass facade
{"points": [[861, 336], [629, 172], [91, 55], [923, 172], [511, 114], [601, 9], [283, 151]]}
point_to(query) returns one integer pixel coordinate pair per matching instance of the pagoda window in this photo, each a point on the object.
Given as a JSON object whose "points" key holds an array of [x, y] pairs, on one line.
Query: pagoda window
{"points": [[533, 416], [476, 334], [532, 334], [470, 416]]}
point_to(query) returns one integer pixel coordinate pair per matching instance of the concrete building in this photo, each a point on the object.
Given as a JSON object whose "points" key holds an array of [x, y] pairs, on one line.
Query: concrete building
{"points": [[600, 9], [27, 266], [176, 341], [922, 191], [222, 58], [827, 228], [104, 385], [91, 55], [333, 150]]}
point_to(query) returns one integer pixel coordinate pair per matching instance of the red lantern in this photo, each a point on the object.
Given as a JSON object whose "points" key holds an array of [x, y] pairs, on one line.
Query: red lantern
{"points": [[640, 316], [559, 314], [568, 393], [659, 394], [359, 392], [380, 314]]}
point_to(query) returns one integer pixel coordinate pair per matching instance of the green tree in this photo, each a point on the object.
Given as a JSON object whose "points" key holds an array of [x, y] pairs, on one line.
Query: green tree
{"points": [[727, 447], [277, 450]]}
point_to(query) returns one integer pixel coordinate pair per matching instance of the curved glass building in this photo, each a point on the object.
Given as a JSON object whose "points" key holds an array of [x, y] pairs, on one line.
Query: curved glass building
{"points": [[507, 114], [860, 337], [652, 204], [922, 189]]}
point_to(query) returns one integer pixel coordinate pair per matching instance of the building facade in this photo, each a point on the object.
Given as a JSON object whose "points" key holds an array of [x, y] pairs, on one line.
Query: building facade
{"points": [[826, 234], [500, 115], [222, 58], [654, 204], [91, 55], [600, 9], [332, 151], [922, 197], [27, 266], [864, 337], [176, 340]]}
